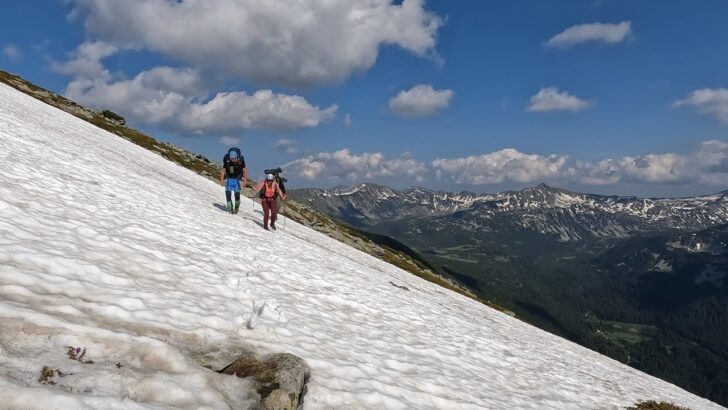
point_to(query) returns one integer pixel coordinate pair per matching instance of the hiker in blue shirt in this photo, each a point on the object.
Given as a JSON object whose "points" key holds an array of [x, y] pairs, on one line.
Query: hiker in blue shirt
{"points": [[232, 172]]}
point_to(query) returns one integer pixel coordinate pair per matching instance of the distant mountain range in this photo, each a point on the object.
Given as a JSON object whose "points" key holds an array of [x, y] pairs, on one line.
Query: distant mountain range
{"points": [[644, 280], [569, 216], [367, 204]]}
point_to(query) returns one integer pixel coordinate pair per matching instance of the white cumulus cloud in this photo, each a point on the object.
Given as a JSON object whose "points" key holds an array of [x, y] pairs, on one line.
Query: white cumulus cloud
{"points": [[592, 32], [230, 141], [551, 99], [85, 61], [708, 165], [289, 42], [175, 99], [713, 101], [507, 165], [342, 165], [286, 146], [12, 52], [420, 100]]}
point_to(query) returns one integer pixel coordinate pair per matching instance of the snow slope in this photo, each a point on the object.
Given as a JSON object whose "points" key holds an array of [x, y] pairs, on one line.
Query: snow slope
{"points": [[107, 246]]}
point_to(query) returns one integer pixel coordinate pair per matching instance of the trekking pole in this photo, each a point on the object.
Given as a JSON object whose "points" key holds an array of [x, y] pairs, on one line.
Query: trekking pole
{"points": [[252, 199], [253, 195], [285, 205]]}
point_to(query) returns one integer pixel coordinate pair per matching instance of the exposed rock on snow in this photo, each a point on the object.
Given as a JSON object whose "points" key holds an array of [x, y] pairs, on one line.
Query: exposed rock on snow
{"points": [[280, 378]]}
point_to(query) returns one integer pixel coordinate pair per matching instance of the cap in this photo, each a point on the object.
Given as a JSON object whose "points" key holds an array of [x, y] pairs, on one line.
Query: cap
{"points": [[269, 177]]}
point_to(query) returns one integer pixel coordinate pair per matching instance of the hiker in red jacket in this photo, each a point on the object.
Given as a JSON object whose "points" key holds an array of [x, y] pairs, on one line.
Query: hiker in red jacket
{"points": [[269, 192]]}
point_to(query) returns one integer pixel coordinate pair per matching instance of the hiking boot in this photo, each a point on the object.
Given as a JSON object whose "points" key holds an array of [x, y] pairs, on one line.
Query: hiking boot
{"points": [[237, 207], [229, 206], [265, 227], [273, 226]]}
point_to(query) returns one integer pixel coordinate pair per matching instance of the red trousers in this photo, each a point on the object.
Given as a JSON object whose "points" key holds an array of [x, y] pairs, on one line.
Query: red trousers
{"points": [[270, 206]]}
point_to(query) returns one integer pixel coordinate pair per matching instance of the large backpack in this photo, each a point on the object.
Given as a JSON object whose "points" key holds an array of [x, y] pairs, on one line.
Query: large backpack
{"points": [[278, 178], [226, 158]]}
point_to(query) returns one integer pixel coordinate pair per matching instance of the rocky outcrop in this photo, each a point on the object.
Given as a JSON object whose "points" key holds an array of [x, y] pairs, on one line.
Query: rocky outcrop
{"points": [[280, 378]]}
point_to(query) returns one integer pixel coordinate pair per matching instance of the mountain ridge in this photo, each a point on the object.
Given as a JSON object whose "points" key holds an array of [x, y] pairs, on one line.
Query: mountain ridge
{"points": [[542, 208]]}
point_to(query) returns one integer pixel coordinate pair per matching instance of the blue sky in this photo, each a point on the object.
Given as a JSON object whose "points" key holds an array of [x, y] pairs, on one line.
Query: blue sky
{"points": [[606, 96]]}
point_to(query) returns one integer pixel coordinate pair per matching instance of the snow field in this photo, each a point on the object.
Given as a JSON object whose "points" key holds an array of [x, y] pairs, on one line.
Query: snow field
{"points": [[106, 245]]}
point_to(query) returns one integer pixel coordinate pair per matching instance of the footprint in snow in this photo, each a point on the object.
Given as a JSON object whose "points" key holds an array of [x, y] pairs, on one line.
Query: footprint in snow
{"points": [[255, 315]]}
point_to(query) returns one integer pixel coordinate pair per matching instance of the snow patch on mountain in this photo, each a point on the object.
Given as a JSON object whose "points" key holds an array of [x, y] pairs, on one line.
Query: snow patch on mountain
{"points": [[350, 191]]}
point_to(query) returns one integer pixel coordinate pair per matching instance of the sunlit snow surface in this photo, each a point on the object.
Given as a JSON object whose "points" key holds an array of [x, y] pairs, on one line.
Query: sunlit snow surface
{"points": [[107, 246]]}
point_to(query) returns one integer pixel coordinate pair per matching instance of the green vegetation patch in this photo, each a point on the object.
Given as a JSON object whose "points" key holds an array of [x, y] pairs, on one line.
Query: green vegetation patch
{"points": [[622, 333]]}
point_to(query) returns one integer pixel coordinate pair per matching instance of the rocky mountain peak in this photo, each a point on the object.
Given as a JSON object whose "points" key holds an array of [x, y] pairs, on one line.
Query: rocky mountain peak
{"points": [[542, 208]]}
